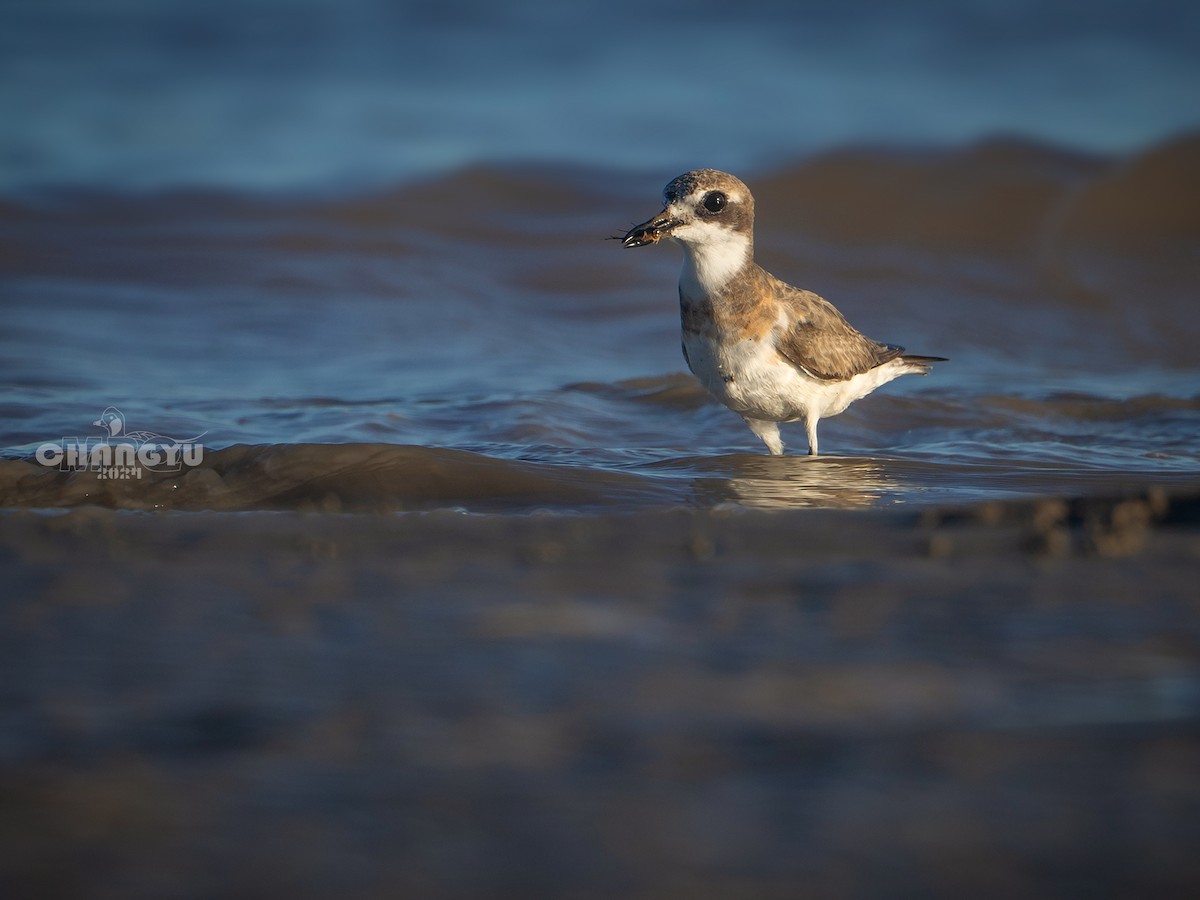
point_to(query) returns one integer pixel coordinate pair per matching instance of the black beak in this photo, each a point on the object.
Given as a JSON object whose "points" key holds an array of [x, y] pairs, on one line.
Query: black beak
{"points": [[650, 232]]}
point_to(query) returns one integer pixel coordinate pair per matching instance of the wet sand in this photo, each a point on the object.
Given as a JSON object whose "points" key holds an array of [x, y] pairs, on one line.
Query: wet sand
{"points": [[994, 700]]}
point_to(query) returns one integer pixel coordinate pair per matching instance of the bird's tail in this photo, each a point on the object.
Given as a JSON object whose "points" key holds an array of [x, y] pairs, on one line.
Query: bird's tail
{"points": [[920, 365]]}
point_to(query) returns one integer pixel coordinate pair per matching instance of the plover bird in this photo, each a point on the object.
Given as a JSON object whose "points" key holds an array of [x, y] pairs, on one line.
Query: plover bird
{"points": [[769, 351]]}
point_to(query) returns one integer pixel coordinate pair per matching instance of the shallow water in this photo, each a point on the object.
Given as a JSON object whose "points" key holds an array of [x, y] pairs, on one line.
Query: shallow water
{"points": [[302, 225], [485, 312]]}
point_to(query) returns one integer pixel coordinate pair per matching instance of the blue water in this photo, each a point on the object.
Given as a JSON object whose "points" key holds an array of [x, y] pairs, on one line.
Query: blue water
{"points": [[399, 235], [311, 94]]}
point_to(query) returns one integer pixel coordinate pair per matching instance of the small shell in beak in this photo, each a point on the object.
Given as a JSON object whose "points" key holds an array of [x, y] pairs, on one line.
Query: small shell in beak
{"points": [[650, 232]]}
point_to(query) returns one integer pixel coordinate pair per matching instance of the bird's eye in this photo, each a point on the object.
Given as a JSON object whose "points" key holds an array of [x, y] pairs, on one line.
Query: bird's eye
{"points": [[714, 201]]}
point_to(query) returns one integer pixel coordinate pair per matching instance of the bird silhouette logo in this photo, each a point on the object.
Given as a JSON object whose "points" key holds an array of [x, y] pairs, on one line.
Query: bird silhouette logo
{"points": [[112, 420], [119, 453]]}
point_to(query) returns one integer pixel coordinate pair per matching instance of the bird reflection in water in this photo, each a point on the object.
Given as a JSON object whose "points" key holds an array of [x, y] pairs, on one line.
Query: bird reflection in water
{"points": [[792, 482]]}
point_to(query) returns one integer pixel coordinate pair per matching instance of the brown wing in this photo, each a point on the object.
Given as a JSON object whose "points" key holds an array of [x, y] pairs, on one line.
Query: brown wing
{"points": [[821, 342]]}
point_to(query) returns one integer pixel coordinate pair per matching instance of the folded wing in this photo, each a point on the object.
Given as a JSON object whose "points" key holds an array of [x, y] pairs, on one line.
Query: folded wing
{"points": [[818, 340]]}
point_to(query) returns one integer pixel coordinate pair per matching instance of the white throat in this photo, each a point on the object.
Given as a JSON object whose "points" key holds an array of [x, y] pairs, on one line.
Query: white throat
{"points": [[712, 254]]}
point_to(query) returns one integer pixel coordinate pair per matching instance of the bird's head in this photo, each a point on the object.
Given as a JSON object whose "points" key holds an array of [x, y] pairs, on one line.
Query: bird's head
{"points": [[111, 420], [703, 206], [711, 214]]}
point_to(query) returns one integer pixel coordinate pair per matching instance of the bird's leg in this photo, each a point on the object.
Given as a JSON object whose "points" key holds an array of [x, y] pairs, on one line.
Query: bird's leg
{"points": [[810, 425], [768, 433]]}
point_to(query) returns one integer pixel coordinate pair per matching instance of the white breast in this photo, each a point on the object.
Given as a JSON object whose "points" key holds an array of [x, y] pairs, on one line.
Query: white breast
{"points": [[748, 377], [752, 379]]}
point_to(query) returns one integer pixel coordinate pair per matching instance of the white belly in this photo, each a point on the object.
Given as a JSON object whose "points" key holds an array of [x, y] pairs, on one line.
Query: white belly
{"points": [[753, 380]]}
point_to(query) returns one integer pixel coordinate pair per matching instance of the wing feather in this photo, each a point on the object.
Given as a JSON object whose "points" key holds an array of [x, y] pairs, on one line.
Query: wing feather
{"points": [[818, 340]]}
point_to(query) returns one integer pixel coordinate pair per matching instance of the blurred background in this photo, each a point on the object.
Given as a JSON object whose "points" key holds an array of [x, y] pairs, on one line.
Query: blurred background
{"points": [[359, 248], [309, 94]]}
